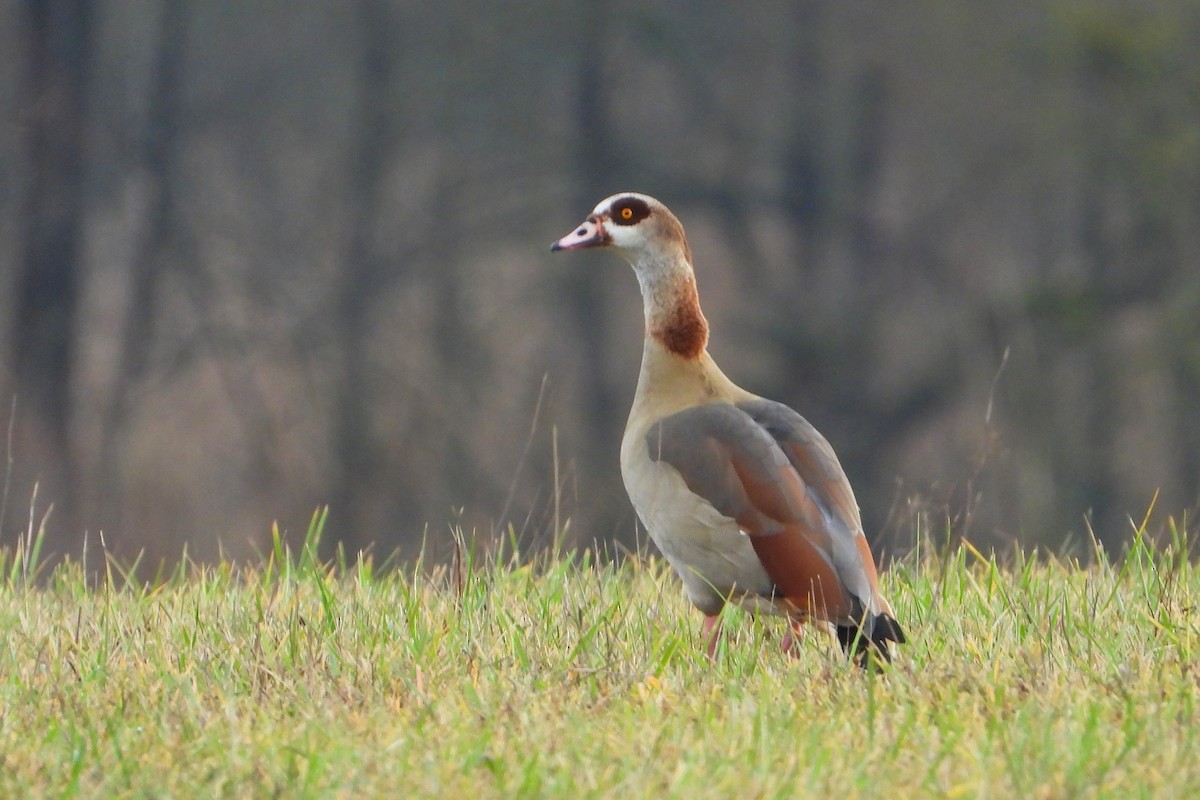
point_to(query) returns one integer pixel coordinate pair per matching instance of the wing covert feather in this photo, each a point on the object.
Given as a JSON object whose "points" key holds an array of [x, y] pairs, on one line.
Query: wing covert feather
{"points": [[730, 460]]}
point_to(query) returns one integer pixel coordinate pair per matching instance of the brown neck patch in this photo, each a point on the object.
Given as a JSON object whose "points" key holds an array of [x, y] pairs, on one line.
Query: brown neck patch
{"points": [[681, 327]]}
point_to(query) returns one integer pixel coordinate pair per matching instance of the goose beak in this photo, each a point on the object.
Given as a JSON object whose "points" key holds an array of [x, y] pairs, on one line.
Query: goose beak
{"points": [[590, 233]]}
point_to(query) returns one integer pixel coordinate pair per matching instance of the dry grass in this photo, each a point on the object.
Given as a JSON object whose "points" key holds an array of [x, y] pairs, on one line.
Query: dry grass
{"points": [[568, 678]]}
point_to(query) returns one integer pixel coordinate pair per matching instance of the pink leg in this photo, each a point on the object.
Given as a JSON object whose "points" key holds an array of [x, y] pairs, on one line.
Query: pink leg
{"points": [[791, 640], [712, 629]]}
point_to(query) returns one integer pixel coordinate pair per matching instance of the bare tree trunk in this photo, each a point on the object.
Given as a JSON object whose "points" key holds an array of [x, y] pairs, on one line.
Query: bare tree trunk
{"points": [[47, 287], [595, 166], [158, 152], [357, 459]]}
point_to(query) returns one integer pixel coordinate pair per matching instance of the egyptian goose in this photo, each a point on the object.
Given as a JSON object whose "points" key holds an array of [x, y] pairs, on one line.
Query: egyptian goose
{"points": [[744, 498]]}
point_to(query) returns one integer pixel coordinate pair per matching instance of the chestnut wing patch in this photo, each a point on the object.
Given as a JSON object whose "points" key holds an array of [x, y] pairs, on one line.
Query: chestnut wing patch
{"points": [[733, 462], [810, 454]]}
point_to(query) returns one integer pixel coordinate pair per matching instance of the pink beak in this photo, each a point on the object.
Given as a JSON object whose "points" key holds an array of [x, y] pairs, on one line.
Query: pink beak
{"points": [[589, 234]]}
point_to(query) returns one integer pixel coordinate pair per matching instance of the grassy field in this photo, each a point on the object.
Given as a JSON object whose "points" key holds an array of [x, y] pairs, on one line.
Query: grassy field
{"points": [[569, 678]]}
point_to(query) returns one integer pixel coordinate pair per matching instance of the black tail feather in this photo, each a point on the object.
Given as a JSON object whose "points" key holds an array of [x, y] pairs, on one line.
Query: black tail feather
{"points": [[860, 645]]}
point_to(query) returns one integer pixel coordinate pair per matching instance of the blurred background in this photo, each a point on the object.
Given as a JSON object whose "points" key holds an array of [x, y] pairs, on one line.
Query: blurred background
{"points": [[257, 257]]}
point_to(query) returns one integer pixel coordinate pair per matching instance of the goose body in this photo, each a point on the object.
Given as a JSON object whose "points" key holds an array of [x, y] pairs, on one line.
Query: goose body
{"points": [[745, 499]]}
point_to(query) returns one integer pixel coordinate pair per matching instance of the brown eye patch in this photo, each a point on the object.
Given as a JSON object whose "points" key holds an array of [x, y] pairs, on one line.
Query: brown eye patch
{"points": [[629, 211]]}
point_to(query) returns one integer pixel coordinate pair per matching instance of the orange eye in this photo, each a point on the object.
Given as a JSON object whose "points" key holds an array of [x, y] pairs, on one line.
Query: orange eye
{"points": [[627, 213]]}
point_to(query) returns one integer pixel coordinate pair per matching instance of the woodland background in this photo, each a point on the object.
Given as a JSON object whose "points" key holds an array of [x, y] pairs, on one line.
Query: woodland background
{"points": [[257, 257]]}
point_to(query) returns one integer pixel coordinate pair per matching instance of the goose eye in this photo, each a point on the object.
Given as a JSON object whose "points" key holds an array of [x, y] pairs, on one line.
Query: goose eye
{"points": [[629, 211]]}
